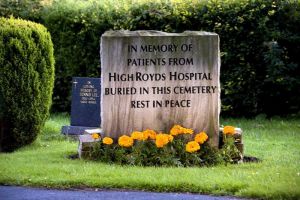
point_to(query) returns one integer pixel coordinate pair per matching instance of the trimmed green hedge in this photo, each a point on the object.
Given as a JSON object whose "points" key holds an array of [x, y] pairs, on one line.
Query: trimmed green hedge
{"points": [[26, 81], [260, 41], [260, 69]]}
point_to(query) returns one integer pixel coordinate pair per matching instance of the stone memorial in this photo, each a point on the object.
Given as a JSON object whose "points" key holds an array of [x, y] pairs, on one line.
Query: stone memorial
{"points": [[153, 79], [85, 107]]}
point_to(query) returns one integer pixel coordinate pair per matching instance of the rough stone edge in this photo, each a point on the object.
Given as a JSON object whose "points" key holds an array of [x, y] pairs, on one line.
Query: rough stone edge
{"points": [[153, 33]]}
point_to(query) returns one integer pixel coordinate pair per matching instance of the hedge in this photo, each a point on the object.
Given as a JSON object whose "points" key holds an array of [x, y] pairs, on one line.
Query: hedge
{"points": [[260, 40], [26, 81]]}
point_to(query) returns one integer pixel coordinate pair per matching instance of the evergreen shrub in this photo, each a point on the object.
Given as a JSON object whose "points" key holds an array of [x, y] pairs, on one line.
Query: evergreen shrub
{"points": [[26, 81]]}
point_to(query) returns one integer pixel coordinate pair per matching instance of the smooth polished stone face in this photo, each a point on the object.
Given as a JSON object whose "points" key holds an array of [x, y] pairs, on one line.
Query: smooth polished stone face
{"points": [[85, 110]]}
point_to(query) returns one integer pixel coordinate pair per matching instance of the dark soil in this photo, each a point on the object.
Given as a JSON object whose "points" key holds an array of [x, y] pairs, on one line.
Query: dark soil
{"points": [[73, 156], [251, 159]]}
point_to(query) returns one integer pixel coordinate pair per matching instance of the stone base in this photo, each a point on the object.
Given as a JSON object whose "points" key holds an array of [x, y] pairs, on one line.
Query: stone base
{"points": [[75, 130], [238, 140], [92, 131], [86, 145]]}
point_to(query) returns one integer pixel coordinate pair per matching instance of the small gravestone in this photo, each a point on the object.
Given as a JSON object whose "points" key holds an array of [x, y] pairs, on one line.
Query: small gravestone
{"points": [[85, 109], [153, 79], [86, 145], [238, 139]]}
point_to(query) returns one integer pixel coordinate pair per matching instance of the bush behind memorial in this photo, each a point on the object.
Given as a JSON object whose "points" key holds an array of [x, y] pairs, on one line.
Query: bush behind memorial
{"points": [[259, 43]]}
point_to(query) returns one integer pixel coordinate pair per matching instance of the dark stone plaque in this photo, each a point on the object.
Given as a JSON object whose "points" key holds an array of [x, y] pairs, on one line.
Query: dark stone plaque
{"points": [[85, 108]]}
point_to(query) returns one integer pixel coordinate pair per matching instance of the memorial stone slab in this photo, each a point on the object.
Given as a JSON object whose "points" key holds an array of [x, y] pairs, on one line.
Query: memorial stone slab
{"points": [[153, 79], [85, 102], [85, 107]]}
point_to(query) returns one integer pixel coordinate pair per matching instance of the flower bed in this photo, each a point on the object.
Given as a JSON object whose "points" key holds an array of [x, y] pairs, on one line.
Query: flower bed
{"points": [[181, 147]]}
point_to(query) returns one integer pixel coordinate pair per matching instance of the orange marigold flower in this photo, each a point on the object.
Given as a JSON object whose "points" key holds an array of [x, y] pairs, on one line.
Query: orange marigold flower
{"points": [[107, 140], [149, 134], [201, 137], [177, 129], [136, 135], [125, 141], [161, 140], [170, 137], [187, 131], [229, 130], [95, 136], [192, 146]]}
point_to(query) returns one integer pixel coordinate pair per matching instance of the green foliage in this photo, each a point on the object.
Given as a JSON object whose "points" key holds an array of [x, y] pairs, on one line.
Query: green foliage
{"points": [[229, 151], [146, 153], [76, 30], [28, 9], [26, 81], [252, 72]]}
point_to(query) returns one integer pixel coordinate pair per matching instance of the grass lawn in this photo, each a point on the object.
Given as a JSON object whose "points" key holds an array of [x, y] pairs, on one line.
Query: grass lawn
{"points": [[276, 142]]}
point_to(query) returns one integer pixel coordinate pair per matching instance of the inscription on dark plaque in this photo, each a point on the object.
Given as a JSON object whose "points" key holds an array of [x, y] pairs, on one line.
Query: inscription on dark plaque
{"points": [[85, 110], [85, 107]]}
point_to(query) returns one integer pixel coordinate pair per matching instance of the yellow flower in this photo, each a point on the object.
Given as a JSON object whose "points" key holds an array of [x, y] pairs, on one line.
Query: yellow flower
{"points": [[107, 140], [136, 135], [170, 137], [229, 130], [125, 141], [161, 140], [201, 137], [188, 131], [95, 136], [177, 129], [192, 146], [149, 134]]}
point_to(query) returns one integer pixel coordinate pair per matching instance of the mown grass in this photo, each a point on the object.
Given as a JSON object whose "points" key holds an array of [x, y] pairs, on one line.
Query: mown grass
{"points": [[277, 142]]}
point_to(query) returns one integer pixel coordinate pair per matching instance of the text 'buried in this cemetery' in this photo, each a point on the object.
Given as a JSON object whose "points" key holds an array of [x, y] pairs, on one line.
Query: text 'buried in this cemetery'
{"points": [[155, 80]]}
